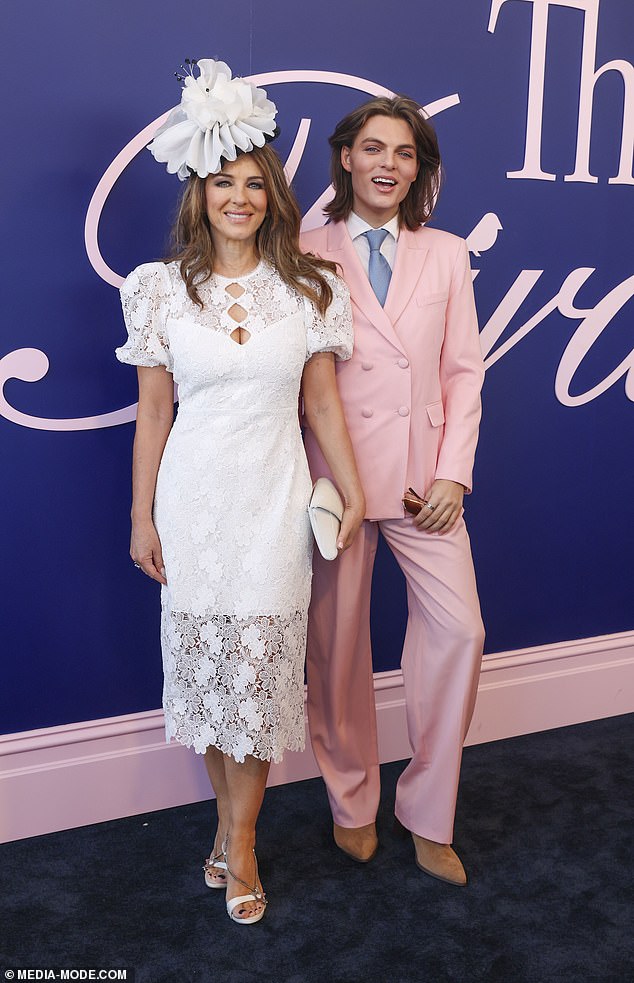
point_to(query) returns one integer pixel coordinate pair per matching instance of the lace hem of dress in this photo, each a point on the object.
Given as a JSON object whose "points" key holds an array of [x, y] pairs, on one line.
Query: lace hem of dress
{"points": [[235, 683], [226, 746]]}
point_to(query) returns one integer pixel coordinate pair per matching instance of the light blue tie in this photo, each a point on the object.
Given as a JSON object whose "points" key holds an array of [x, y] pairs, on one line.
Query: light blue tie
{"points": [[379, 271]]}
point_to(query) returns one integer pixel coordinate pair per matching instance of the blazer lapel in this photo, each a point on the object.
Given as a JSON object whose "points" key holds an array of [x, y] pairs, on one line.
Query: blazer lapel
{"points": [[343, 252], [410, 259]]}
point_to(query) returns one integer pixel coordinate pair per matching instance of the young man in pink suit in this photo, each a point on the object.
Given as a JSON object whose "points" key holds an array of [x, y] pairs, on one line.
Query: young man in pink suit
{"points": [[411, 395]]}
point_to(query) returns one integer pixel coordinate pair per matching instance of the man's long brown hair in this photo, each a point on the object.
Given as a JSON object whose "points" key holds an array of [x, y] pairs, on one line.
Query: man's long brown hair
{"points": [[421, 197], [277, 238]]}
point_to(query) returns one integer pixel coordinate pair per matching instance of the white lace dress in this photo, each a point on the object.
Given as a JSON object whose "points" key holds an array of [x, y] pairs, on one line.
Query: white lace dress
{"points": [[231, 500]]}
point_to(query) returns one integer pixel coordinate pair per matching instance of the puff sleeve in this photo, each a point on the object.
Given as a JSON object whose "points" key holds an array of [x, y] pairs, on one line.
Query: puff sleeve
{"points": [[332, 333], [145, 301]]}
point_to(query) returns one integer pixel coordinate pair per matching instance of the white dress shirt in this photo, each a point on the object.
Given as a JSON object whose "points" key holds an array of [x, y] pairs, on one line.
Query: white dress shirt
{"points": [[357, 226]]}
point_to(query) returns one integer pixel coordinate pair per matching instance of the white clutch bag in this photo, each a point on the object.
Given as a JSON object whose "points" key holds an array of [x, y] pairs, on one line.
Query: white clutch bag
{"points": [[325, 511]]}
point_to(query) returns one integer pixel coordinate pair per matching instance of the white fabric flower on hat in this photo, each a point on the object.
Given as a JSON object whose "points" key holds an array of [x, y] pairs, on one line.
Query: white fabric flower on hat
{"points": [[218, 116]]}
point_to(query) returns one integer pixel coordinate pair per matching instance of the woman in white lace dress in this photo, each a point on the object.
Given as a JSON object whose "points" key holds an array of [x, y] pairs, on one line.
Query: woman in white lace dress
{"points": [[239, 318]]}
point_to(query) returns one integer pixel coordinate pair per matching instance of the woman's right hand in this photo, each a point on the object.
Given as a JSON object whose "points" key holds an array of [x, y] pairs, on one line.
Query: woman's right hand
{"points": [[353, 515], [145, 549]]}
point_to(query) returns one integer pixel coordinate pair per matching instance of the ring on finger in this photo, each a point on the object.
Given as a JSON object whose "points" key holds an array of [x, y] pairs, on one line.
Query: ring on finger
{"points": [[430, 507]]}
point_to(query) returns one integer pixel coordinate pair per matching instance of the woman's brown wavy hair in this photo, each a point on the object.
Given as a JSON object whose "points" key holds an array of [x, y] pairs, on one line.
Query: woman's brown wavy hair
{"points": [[421, 197], [277, 239]]}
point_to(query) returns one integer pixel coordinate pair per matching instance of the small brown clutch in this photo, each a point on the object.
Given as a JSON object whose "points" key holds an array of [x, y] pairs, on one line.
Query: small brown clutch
{"points": [[412, 502]]}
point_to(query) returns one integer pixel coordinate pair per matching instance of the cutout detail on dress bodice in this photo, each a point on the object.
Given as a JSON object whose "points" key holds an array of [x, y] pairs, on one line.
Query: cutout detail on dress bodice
{"points": [[237, 313]]}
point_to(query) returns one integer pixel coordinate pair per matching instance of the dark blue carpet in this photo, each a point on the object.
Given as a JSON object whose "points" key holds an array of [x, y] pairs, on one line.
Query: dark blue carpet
{"points": [[545, 827]]}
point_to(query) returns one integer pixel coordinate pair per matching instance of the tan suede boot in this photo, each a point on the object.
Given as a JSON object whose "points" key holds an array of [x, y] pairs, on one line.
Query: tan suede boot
{"points": [[439, 860], [360, 843]]}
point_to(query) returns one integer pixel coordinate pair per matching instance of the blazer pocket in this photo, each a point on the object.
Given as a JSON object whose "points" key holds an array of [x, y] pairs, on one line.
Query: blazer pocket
{"points": [[436, 413], [423, 300]]}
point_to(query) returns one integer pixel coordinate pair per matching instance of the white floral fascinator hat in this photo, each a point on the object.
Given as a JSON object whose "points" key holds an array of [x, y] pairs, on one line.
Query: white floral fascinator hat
{"points": [[218, 117]]}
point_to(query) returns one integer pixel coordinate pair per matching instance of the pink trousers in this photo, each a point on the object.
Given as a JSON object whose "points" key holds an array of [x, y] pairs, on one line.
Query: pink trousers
{"points": [[440, 662]]}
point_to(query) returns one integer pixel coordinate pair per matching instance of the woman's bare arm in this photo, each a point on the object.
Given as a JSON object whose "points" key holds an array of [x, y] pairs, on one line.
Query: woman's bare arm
{"points": [[324, 415], [155, 417]]}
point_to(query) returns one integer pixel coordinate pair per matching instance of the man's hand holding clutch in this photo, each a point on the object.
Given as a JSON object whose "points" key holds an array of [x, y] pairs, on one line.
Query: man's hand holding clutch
{"points": [[440, 509]]}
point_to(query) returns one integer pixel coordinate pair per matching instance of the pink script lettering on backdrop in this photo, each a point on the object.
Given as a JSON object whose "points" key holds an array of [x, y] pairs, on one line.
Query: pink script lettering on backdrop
{"points": [[31, 365]]}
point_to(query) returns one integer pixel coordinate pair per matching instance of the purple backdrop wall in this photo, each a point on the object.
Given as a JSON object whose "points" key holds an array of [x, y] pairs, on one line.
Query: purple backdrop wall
{"points": [[549, 517]]}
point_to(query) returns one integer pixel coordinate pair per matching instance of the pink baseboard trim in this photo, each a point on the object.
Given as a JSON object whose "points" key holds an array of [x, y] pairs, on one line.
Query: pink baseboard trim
{"points": [[74, 775]]}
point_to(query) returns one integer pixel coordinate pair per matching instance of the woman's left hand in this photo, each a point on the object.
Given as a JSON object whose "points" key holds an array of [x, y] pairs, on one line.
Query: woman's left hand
{"points": [[353, 515], [444, 506]]}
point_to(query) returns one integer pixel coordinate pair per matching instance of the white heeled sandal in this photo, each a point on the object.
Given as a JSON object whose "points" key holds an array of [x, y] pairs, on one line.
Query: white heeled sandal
{"points": [[255, 894]]}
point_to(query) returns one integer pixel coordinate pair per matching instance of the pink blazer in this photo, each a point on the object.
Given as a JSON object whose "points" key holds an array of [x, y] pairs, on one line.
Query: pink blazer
{"points": [[411, 391]]}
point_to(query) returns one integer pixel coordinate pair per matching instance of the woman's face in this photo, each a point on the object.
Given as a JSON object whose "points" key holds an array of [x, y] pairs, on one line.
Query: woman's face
{"points": [[236, 200]]}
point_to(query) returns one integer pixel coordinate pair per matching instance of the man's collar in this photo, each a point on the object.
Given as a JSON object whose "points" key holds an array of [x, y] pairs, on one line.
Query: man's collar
{"points": [[356, 226]]}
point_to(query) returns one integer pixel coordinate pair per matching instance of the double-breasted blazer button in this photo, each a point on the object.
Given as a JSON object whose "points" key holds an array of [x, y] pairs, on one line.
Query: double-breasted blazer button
{"points": [[403, 411], [367, 412], [366, 366], [403, 363]]}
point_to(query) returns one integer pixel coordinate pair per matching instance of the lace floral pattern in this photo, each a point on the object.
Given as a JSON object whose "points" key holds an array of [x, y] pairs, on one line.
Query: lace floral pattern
{"points": [[230, 683], [154, 291], [231, 500], [145, 298]]}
